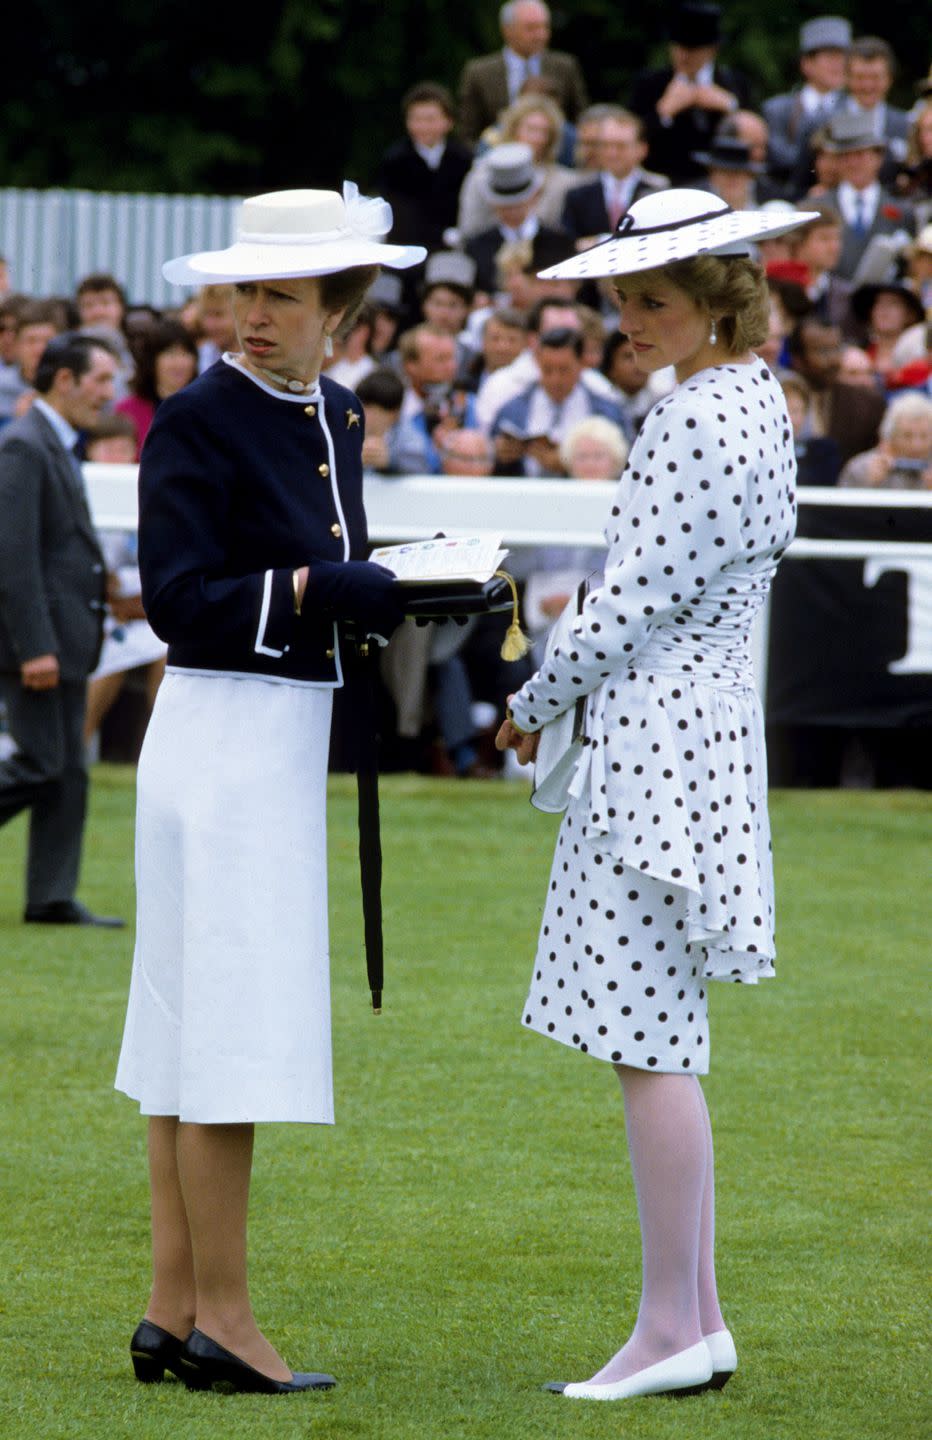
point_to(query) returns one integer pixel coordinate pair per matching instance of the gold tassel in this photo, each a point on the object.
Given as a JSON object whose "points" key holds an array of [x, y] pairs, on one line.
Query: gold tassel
{"points": [[515, 643]]}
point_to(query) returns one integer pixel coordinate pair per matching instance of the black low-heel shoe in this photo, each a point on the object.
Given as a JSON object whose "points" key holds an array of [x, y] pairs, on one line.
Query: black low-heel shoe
{"points": [[153, 1351], [220, 1370]]}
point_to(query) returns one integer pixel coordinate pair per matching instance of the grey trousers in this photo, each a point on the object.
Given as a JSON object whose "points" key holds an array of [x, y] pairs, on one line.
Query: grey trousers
{"points": [[47, 775]]}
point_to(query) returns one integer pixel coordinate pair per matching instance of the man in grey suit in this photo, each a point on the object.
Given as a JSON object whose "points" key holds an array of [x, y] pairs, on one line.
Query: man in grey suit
{"points": [[870, 67], [491, 82], [52, 587], [823, 45], [866, 208]]}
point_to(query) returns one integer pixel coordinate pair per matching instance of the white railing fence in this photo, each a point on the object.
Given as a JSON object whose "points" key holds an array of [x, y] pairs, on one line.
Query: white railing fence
{"points": [[528, 513]]}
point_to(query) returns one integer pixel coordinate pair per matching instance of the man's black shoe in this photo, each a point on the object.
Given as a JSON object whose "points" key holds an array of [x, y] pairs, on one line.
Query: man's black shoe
{"points": [[69, 912]]}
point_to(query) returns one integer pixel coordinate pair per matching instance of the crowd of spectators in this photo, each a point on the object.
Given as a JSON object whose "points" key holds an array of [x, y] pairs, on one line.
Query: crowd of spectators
{"points": [[473, 365]]}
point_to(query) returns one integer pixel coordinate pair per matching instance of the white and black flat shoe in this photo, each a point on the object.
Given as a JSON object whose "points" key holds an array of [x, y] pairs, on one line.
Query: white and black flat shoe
{"points": [[724, 1357], [686, 1373]]}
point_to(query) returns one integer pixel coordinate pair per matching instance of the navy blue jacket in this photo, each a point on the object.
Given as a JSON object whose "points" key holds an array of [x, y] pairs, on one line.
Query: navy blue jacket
{"points": [[237, 487]]}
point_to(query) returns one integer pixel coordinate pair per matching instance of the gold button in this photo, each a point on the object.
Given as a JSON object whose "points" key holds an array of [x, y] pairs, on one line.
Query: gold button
{"points": [[336, 532], [323, 469], [310, 410], [330, 654]]}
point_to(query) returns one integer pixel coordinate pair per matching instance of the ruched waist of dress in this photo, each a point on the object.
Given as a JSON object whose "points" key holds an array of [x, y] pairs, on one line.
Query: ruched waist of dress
{"points": [[722, 661]]}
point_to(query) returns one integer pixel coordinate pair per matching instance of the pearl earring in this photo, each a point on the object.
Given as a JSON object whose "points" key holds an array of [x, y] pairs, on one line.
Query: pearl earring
{"points": [[713, 333], [328, 344]]}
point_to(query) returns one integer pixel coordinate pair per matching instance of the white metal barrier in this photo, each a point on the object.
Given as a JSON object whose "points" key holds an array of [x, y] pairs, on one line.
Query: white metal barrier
{"points": [[540, 512]]}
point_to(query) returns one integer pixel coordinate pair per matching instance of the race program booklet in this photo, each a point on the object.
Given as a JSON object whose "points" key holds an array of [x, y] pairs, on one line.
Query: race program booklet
{"points": [[441, 561]]}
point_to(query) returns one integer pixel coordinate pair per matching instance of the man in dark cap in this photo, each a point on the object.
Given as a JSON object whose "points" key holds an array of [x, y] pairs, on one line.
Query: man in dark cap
{"points": [[682, 104], [870, 69]]}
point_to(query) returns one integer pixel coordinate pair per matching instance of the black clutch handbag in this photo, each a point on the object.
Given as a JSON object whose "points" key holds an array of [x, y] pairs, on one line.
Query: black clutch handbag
{"points": [[439, 600]]}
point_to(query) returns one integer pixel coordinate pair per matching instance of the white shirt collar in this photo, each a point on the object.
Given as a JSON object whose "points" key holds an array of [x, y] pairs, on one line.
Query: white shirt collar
{"points": [[517, 69], [411, 405], [848, 199], [431, 154], [525, 231], [624, 188], [546, 418], [704, 76], [64, 432], [814, 100]]}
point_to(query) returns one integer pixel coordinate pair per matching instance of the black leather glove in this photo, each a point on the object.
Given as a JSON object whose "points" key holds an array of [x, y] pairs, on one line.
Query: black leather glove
{"points": [[356, 590]]}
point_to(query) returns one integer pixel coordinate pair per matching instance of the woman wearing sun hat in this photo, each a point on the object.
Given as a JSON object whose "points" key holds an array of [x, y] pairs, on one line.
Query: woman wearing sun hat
{"points": [[662, 877], [252, 538]]}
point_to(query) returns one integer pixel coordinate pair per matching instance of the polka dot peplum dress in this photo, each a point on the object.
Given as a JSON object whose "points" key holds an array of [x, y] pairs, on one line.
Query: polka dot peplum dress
{"points": [[662, 877]]}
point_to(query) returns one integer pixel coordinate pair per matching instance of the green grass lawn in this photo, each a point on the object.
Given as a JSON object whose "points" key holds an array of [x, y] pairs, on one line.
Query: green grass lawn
{"points": [[467, 1229]]}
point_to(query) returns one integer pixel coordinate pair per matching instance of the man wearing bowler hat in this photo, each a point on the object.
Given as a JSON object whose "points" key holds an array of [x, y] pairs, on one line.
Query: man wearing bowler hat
{"points": [[866, 208], [682, 104], [823, 45], [870, 67]]}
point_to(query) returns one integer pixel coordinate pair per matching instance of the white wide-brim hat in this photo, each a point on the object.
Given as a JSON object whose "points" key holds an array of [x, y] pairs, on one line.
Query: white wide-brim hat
{"points": [[292, 233], [674, 225]]}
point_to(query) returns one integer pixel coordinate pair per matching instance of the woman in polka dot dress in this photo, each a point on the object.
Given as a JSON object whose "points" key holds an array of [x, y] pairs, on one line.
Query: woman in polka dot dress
{"points": [[662, 877]]}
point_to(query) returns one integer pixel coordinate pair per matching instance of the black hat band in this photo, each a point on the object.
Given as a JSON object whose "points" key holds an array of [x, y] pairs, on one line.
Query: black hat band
{"points": [[628, 225]]}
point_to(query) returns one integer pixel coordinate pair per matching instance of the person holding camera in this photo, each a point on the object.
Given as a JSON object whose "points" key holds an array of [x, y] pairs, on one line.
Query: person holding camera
{"points": [[433, 406], [903, 458]]}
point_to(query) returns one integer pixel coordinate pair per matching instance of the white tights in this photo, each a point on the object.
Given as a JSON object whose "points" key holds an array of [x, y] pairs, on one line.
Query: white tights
{"points": [[670, 1145]]}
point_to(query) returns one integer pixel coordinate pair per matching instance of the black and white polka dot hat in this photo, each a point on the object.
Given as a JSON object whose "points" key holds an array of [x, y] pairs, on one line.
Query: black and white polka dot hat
{"points": [[675, 225]]}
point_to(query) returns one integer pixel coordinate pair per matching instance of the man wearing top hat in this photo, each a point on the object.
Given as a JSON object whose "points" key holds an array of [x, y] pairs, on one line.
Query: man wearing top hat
{"points": [[490, 82], [823, 45], [682, 104], [866, 208], [512, 187]]}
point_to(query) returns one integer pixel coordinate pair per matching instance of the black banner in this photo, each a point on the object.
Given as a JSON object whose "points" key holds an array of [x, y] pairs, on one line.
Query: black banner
{"points": [[851, 640]]}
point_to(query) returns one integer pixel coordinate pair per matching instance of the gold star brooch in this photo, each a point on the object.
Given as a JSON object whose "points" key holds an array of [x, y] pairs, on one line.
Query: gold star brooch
{"points": [[351, 419]]}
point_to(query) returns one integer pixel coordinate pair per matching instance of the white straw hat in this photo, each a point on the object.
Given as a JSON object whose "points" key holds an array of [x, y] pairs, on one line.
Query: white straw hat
{"points": [[674, 225], [291, 233]]}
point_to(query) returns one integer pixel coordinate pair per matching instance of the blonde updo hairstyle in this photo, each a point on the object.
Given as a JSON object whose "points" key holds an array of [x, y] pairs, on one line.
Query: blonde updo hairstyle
{"points": [[733, 289]]}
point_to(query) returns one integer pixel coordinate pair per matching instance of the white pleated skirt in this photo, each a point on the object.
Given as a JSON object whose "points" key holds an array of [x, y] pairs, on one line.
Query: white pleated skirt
{"points": [[229, 1007]]}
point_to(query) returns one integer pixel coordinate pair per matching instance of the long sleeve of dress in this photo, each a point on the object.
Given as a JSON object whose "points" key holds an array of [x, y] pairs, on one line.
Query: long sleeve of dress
{"points": [[687, 478]]}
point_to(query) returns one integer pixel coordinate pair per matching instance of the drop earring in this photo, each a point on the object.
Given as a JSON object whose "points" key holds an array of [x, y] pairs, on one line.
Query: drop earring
{"points": [[713, 333], [328, 344]]}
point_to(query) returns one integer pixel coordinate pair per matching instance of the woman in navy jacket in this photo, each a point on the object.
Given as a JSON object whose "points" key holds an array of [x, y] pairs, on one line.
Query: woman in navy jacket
{"points": [[252, 538]]}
